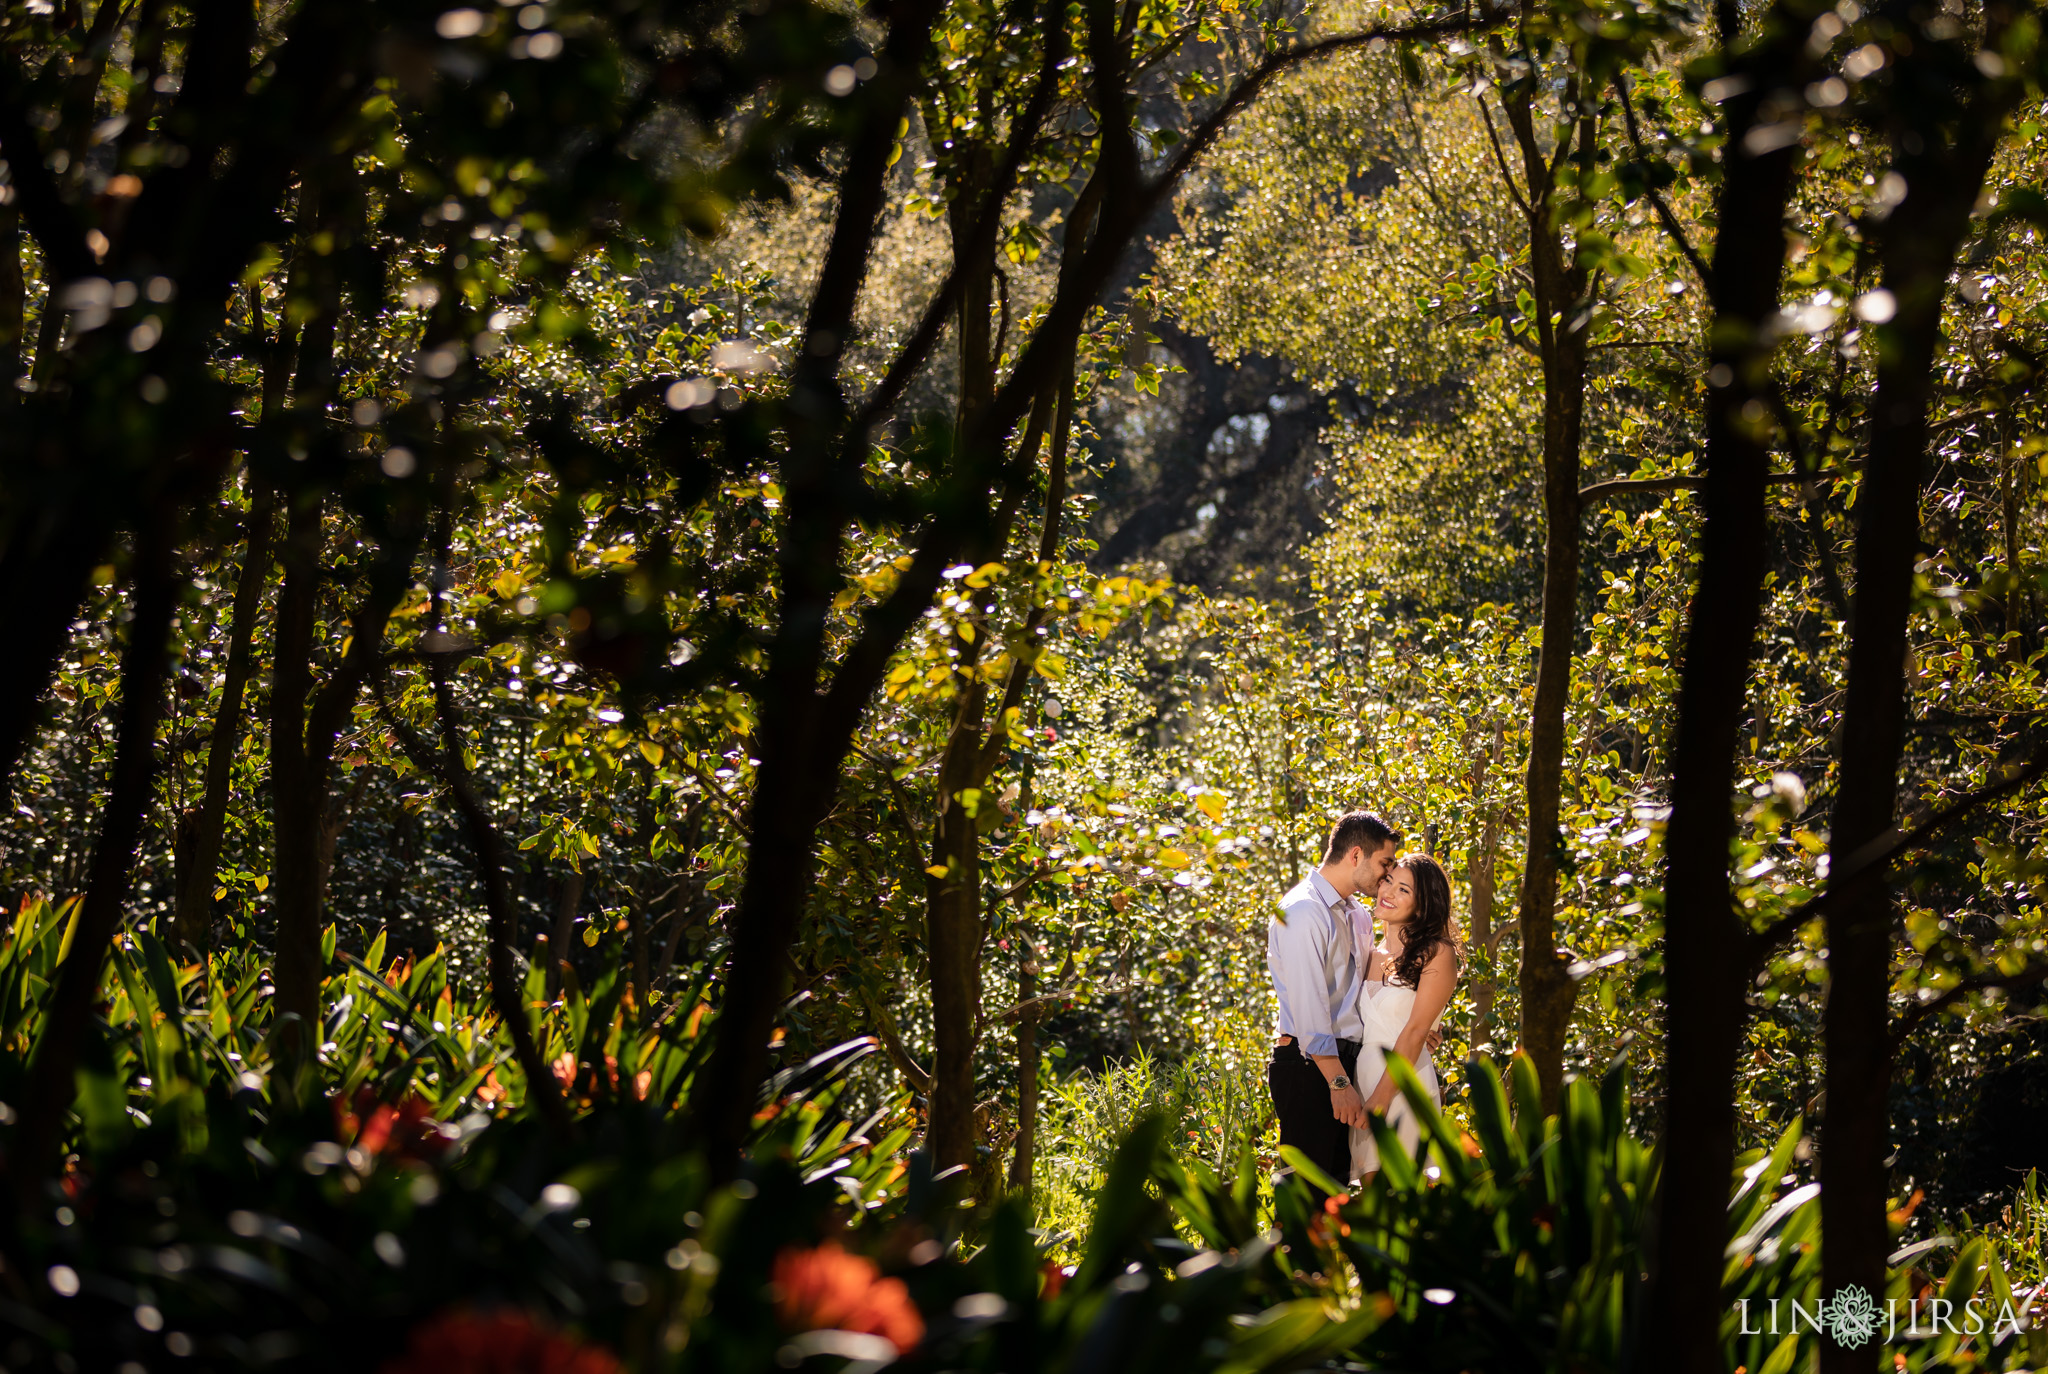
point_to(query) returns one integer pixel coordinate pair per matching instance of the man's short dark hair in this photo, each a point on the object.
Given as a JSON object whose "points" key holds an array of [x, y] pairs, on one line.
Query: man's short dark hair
{"points": [[1361, 829]]}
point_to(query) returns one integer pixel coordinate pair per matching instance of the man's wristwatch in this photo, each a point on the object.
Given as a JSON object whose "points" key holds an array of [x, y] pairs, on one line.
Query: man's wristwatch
{"points": [[1339, 1083]]}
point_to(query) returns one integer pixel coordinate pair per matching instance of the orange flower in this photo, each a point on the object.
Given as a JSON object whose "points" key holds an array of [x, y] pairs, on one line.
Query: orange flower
{"points": [[505, 1341], [828, 1289]]}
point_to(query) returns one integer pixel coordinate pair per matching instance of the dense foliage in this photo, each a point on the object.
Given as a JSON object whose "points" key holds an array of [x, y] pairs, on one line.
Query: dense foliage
{"points": [[664, 658]]}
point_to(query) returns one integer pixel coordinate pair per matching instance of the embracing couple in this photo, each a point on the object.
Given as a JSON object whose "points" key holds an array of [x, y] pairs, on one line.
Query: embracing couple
{"points": [[1346, 1000]]}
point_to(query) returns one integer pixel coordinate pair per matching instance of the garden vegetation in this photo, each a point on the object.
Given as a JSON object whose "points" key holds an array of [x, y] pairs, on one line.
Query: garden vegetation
{"points": [[663, 659]]}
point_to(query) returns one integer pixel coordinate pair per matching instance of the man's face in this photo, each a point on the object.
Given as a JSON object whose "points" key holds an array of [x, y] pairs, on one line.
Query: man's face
{"points": [[1373, 865]]}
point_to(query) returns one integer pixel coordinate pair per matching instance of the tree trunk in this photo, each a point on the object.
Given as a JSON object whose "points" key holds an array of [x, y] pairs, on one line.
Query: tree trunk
{"points": [[1547, 990], [446, 764], [303, 736], [804, 736], [643, 959], [808, 728], [13, 300], [199, 856], [1026, 1156], [1706, 944], [296, 805], [954, 926], [299, 765], [568, 899], [1481, 893], [953, 943], [680, 912], [1917, 246], [52, 1081]]}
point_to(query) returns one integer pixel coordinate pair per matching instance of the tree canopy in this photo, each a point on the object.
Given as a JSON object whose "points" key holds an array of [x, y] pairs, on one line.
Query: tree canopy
{"points": [[665, 657]]}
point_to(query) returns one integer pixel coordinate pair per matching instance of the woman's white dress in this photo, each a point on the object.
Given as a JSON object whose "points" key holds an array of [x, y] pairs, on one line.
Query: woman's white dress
{"points": [[1385, 1007]]}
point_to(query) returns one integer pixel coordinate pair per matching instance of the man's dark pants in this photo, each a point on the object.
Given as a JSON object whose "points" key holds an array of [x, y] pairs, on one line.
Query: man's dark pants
{"points": [[1301, 1097]]}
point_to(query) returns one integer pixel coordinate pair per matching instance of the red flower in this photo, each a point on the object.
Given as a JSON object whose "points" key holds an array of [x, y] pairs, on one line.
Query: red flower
{"points": [[406, 1131], [505, 1341], [828, 1289]]}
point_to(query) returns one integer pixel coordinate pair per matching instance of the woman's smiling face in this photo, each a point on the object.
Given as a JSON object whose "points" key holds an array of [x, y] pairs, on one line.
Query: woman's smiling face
{"points": [[1395, 901]]}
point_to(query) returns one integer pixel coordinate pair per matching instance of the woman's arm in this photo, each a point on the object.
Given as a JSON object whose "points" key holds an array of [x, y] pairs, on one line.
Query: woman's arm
{"points": [[1432, 995]]}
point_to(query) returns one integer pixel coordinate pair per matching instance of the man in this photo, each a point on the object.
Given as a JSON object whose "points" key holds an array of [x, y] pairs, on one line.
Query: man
{"points": [[1318, 969]]}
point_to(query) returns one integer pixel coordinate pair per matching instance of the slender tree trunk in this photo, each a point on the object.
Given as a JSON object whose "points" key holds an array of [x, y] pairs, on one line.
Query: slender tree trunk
{"points": [[953, 936], [568, 900], [501, 921], [1480, 883], [333, 821], [2009, 479], [802, 748], [199, 857], [1706, 944], [13, 301], [1559, 285], [808, 728], [1025, 1159], [295, 804], [976, 267], [67, 1021], [49, 334], [42, 587], [1917, 246], [954, 927], [678, 924], [303, 736], [299, 772], [643, 959]]}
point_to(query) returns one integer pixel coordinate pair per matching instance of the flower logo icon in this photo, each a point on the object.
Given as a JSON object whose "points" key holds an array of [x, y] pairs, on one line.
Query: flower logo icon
{"points": [[1852, 1316]]}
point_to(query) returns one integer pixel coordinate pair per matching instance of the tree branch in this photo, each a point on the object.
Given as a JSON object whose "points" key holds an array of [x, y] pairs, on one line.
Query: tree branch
{"points": [[1672, 228], [916, 1075], [1619, 486], [56, 229], [446, 765], [1831, 576], [901, 797], [1500, 159], [1039, 1003], [939, 309], [1883, 850], [1211, 128], [1914, 1015]]}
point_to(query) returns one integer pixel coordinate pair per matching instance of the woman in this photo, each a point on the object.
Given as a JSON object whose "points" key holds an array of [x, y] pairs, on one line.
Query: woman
{"points": [[1408, 983]]}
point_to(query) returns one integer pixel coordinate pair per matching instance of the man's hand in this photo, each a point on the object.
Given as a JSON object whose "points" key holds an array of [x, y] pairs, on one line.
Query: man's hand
{"points": [[1348, 1107], [1433, 1041]]}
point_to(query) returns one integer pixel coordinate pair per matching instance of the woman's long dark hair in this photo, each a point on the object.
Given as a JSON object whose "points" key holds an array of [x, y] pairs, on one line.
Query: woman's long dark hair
{"points": [[1431, 924]]}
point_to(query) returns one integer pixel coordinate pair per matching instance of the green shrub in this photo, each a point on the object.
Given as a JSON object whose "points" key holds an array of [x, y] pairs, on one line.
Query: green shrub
{"points": [[1215, 1105], [400, 1203], [1522, 1245]]}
